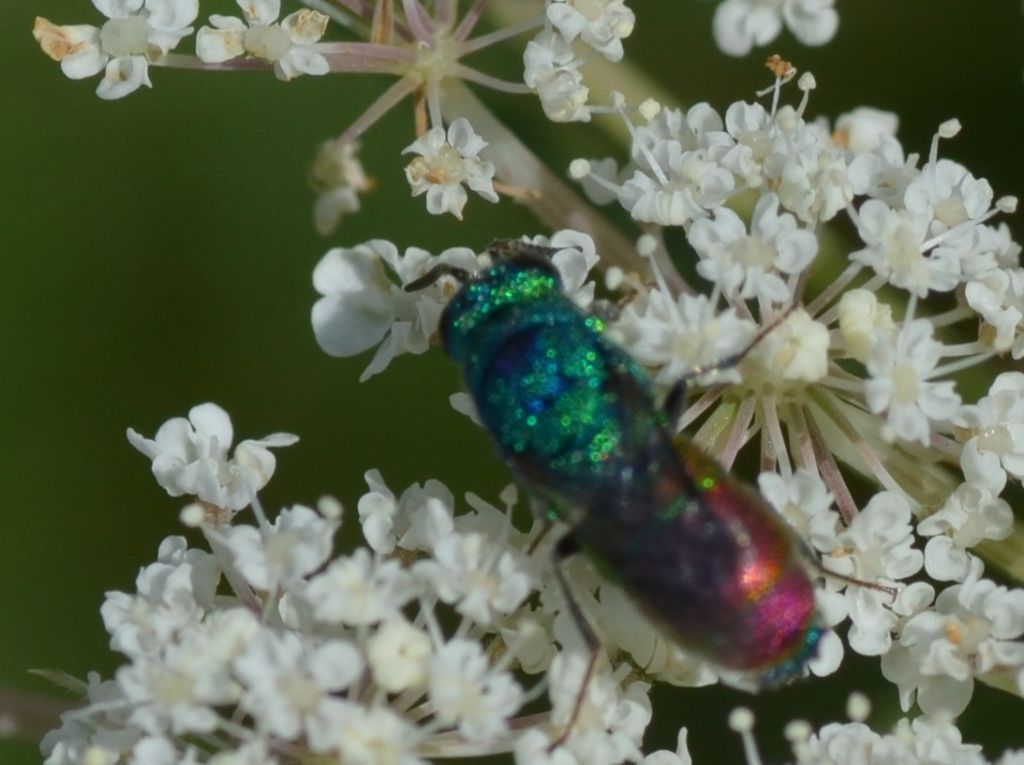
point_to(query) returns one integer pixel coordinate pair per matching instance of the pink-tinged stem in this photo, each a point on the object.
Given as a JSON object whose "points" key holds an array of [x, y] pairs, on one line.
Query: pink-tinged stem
{"points": [[419, 22], [871, 461], [469, 21], [478, 43], [702, 404], [796, 426], [738, 435], [829, 470], [505, 86], [774, 428], [368, 50], [366, 57], [444, 12], [359, 7], [185, 61]]}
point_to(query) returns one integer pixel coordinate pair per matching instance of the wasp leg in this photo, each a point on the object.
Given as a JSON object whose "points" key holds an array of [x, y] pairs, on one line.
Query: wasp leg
{"points": [[435, 273], [728, 362], [546, 525], [814, 560], [565, 549], [674, 405], [675, 401]]}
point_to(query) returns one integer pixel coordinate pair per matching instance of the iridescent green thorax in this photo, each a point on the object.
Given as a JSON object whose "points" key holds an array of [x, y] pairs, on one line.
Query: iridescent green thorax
{"points": [[545, 380], [503, 287]]}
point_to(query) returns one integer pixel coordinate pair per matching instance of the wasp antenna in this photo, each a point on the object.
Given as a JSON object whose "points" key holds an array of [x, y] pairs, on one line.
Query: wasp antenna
{"points": [[566, 547], [435, 273], [728, 362], [889, 590], [502, 249]]}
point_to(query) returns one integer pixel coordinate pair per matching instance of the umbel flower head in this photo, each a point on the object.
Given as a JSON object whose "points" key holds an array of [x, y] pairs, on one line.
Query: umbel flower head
{"points": [[443, 630], [836, 383]]}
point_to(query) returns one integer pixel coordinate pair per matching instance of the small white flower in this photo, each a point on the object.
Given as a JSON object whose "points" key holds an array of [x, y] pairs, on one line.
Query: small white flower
{"points": [[865, 129], [675, 336], [974, 629], [813, 180], [936, 739], [794, 352], [601, 24], [552, 69], [673, 186], [739, 25], [749, 265], [469, 694], [895, 240], [480, 578], [446, 161], [751, 128], [289, 46], [947, 195], [297, 543], [863, 322], [877, 546], [610, 723], [998, 296], [102, 737], [172, 593], [190, 457], [135, 34], [398, 655], [529, 636], [900, 384], [250, 753], [575, 258], [375, 735], [165, 693], [806, 503], [338, 178], [360, 590], [416, 521], [157, 750], [973, 513], [364, 304], [994, 430], [289, 685]]}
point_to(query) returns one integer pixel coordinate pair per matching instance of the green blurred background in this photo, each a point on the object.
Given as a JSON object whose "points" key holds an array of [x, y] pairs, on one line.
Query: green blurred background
{"points": [[157, 253]]}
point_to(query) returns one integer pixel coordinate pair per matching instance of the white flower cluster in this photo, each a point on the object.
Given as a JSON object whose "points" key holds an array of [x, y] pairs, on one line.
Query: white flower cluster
{"points": [[555, 57], [289, 44], [274, 647], [921, 741], [834, 381], [135, 34], [422, 45]]}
